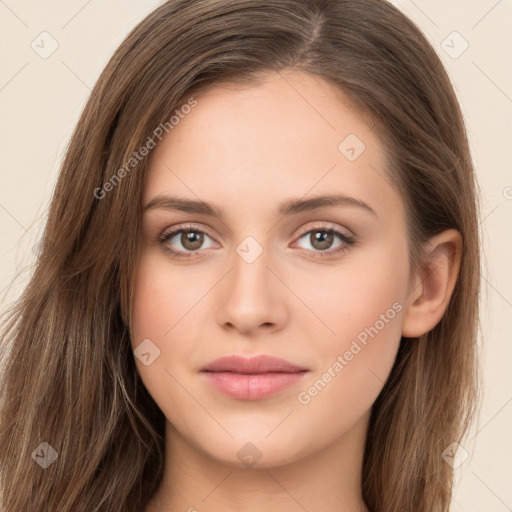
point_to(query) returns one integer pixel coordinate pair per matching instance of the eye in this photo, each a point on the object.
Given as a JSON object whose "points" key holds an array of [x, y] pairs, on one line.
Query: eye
{"points": [[321, 239], [191, 240]]}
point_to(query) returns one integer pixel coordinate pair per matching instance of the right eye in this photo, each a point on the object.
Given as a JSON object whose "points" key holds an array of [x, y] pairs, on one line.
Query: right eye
{"points": [[191, 240]]}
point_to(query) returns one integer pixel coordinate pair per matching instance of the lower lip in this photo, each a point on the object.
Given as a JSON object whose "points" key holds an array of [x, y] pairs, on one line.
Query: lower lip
{"points": [[252, 386]]}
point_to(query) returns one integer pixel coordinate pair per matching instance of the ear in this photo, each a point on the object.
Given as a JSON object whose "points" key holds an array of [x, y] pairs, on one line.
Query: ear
{"points": [[433, 285]]}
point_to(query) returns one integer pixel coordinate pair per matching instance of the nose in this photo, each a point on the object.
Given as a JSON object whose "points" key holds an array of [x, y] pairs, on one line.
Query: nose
{"points": [[252, 297]]}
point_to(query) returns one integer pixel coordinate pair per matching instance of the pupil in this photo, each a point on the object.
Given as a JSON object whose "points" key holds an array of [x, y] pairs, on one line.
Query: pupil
{"points": [[323, 238], [192, 240]]}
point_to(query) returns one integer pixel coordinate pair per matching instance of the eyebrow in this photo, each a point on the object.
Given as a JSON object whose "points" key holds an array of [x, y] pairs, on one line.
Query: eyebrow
{"points": [[287, 208]]}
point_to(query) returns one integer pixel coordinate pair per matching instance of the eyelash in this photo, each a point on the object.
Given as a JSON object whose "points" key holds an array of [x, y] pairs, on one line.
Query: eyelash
{"points": [[347, 240]]}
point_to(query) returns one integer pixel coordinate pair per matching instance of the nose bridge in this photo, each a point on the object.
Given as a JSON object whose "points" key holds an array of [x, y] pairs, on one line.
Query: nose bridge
{"points": [[250, 275]]}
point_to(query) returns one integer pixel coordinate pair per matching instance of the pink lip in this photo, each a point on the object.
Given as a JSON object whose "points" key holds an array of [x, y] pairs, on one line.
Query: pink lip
{"points": [[252, 378]]}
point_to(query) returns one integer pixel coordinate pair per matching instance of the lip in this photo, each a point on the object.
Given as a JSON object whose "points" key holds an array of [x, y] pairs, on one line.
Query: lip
{"points": [[253, 378]]}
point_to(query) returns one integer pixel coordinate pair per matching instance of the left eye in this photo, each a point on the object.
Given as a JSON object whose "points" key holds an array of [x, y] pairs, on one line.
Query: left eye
{"points": [[321, 239]]}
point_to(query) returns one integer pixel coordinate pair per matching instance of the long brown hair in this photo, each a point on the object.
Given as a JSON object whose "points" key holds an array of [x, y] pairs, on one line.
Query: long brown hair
{"points": [[69, 377]]}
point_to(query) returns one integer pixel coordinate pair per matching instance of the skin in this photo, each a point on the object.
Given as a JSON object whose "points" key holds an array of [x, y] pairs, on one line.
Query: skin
{"points": [[247, 150]]}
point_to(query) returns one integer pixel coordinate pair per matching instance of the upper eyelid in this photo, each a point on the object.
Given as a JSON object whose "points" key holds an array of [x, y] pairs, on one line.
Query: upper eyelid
{"points": [[189, 227], [324, 226]]}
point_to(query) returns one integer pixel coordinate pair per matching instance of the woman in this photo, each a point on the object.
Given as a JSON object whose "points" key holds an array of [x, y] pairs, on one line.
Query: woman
{"points": [[258, 283]]}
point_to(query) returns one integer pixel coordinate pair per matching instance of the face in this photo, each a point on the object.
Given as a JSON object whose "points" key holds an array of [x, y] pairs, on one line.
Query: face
{"points": [[321, 284]]}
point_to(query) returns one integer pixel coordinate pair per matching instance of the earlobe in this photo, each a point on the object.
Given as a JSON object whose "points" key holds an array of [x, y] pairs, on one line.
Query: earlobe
{"points": [[432, 289]]}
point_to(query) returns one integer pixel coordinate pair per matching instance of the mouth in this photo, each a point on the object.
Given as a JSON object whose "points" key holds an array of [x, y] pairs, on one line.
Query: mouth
{"points": [[252, 378]]}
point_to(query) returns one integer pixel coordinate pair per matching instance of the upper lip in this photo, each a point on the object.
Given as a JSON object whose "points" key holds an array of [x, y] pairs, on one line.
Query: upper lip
{"points": [[249, 365]]}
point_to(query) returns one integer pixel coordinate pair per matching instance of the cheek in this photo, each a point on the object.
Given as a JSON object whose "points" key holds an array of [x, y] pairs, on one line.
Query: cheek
{"points": [[162, 321], [360, 293], [363, 310], [164, 299]]}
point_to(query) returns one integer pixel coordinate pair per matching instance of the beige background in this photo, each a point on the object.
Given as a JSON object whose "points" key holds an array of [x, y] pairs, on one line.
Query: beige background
{"points": [[40, 100]]}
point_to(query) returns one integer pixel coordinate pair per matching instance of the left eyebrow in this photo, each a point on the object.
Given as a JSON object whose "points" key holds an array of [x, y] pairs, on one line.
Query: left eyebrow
{"points": [[294, 206], [287, 208]]}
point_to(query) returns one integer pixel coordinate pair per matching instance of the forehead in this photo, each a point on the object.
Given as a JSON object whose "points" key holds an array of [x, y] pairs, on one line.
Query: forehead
{"points": [[291, 135]]}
